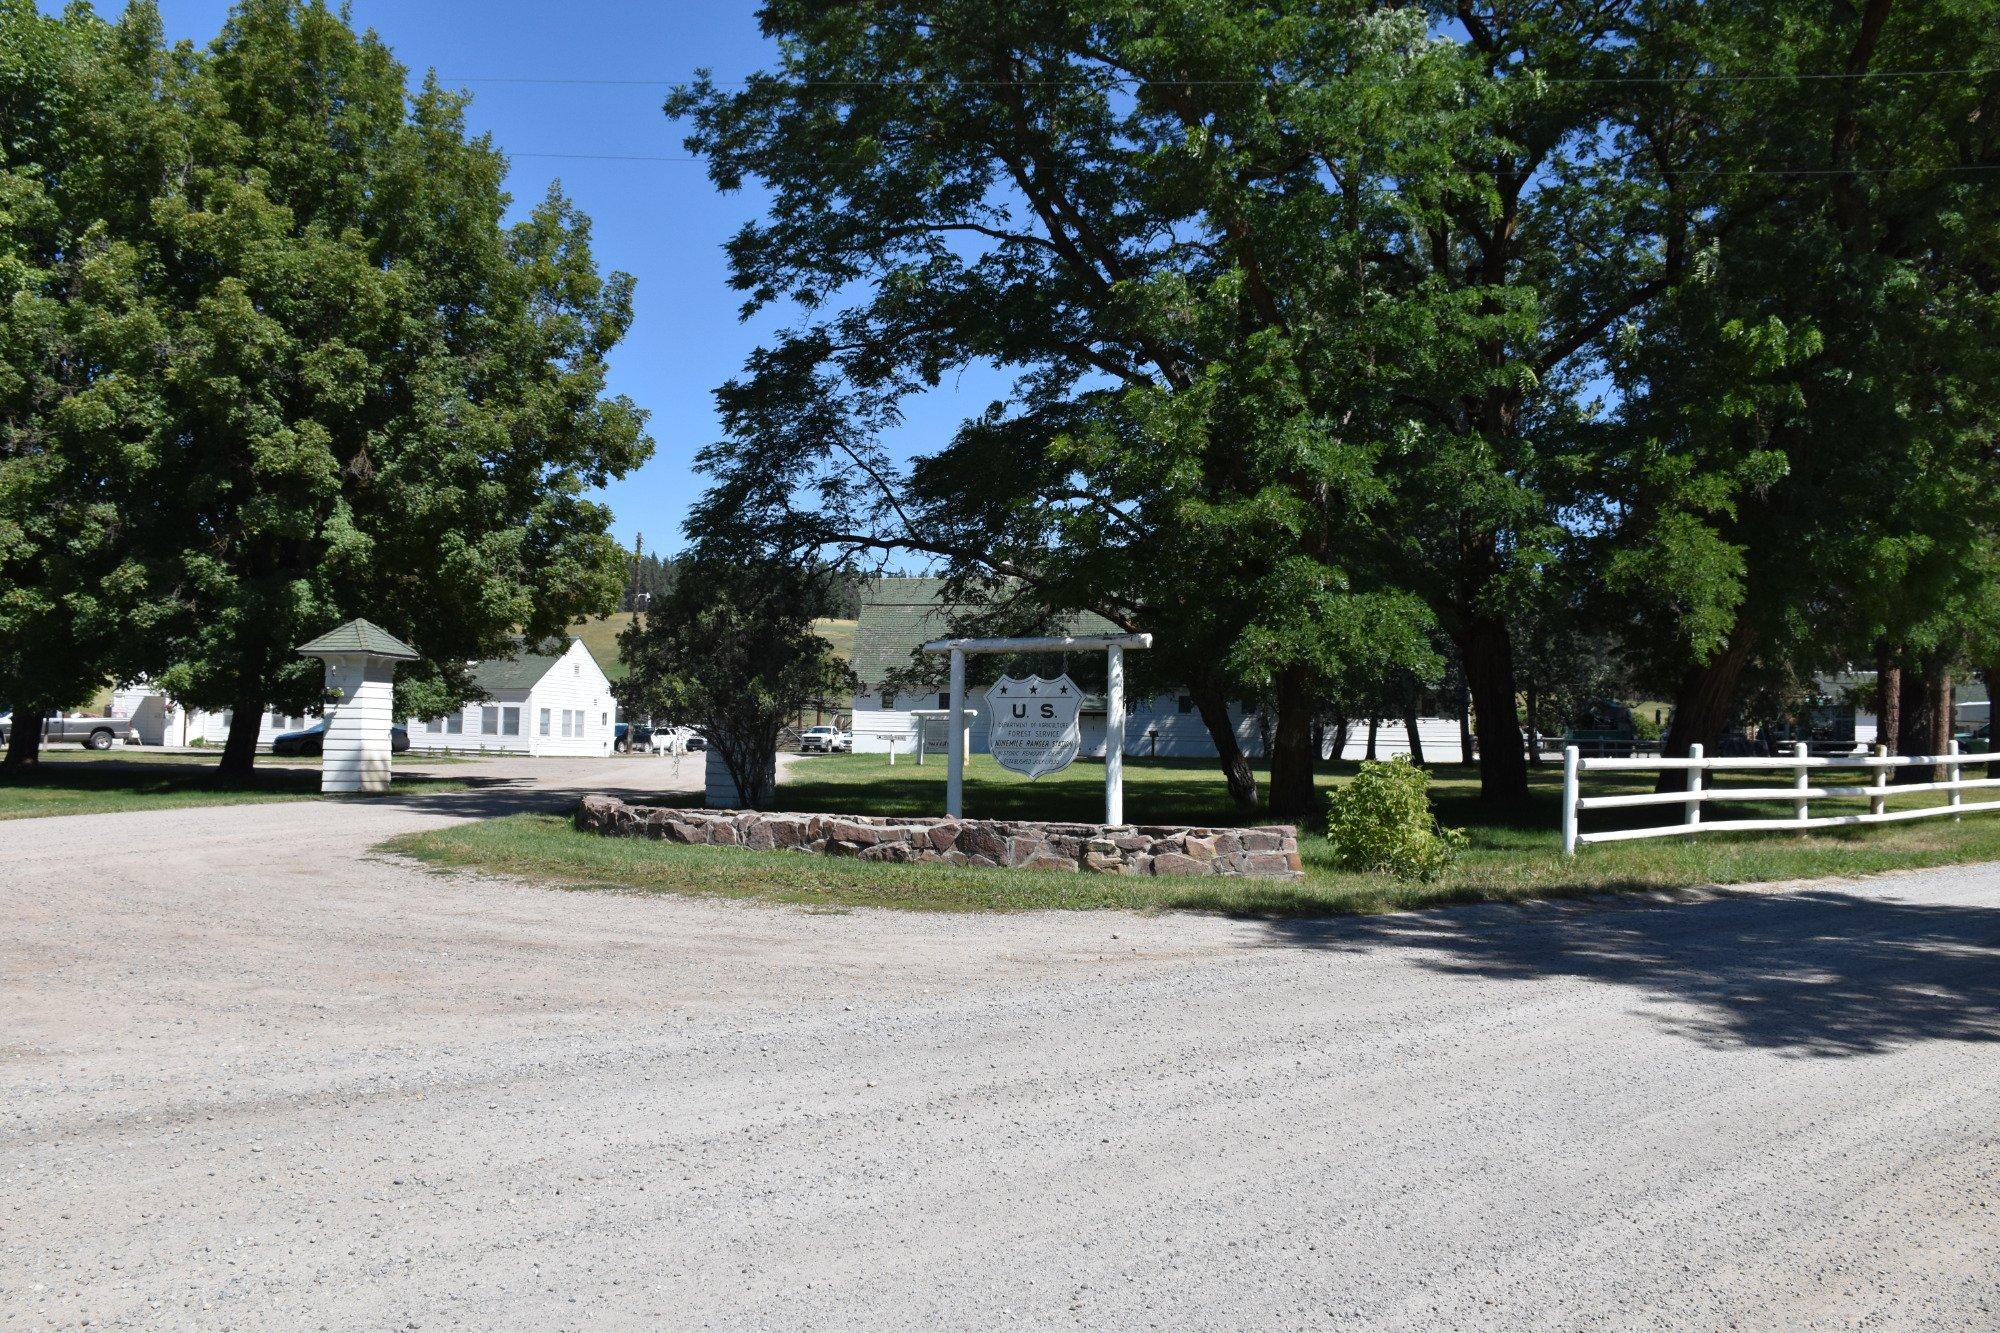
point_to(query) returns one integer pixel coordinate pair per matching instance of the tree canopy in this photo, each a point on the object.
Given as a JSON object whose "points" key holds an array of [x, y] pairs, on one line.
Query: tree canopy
{"points": [[365, 391], [1334, 325]]}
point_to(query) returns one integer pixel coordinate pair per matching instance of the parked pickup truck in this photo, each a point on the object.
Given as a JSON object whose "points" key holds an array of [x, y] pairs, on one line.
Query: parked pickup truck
{"points": [[96, 733]]}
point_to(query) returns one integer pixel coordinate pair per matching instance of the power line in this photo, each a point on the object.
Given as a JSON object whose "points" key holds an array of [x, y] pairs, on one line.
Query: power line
{"points": [[1719, 76], [1973, 168]]}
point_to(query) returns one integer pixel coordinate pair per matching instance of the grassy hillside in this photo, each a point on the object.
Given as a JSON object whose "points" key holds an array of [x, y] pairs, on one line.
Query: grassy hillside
{"points": [[600, 635]]}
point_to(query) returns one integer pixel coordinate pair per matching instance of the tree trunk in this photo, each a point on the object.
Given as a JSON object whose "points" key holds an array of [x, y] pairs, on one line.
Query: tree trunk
{"points": [[1926, 717], [1340, 730], [1888, 698], [1465, 755], [24, 738], [1534, 730], [1487, 650], [1703, 702], [1373, 724], [239, 752], [1292, 749], [1236, 770], [1410, 724]]}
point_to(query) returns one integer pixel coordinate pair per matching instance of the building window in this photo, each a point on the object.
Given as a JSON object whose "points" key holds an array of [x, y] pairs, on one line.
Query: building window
{"points": [[545, 722], [454, 724], [1187, 703], [944, 699], [604, 719], [888, 700], [489, 720], [510, 721], [435, 726]]}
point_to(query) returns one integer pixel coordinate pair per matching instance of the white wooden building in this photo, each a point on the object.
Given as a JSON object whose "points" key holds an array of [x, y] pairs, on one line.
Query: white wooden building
{"points": [[158, 720], [536, 703]]}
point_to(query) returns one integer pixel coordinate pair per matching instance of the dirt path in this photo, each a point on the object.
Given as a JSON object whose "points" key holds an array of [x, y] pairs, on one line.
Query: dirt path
{"points": [[251, 1075]]}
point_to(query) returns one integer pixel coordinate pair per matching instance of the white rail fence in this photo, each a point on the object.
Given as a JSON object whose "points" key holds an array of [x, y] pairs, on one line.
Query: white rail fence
{"points": [[1800, 793]]}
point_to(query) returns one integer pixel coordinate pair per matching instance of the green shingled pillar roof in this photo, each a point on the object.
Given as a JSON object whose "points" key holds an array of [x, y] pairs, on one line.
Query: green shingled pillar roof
{"points": [[359, 636]]}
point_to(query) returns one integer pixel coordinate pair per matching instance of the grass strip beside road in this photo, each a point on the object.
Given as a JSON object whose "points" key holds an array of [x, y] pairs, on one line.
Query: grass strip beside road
{"points": [[78, 786], [1511, 857]]}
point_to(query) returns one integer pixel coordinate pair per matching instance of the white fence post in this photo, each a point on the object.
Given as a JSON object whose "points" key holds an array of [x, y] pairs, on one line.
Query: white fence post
{"points": [[1801, 804], [1953, 772], [1694, 785], [1878, 798], [1570, 759]]}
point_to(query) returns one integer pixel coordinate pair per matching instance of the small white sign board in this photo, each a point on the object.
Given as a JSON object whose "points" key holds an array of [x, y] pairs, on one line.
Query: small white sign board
{"points": [[1032, 724]]}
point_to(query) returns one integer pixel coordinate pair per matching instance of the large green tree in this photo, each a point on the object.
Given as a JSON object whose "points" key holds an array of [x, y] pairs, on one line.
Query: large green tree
{"points": [[84, 147], [385, 400], [1807, 474], [1125, 206]]}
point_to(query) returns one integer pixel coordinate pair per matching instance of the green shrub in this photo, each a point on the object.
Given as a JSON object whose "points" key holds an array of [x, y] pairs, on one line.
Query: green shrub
{"points": [[1382, 821]]}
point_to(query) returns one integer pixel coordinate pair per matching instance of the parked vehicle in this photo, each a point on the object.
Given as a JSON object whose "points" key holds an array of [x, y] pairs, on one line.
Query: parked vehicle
{"points": [[629, 736], [93, 733], [1603, 729], [824, 740], [312, 741]]}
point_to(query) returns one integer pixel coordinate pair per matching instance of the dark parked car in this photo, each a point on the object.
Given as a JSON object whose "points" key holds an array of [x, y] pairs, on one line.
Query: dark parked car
{"points": [[312, 741], [625, 737]]}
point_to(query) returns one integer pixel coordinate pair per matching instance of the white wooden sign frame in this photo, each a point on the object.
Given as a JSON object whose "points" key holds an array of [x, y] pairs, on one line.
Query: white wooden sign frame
{"points": [[1113, 647]]}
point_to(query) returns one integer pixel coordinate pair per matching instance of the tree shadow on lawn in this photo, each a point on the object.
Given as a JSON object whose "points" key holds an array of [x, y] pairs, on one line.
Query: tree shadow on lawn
{"points": [[1812, 973]]}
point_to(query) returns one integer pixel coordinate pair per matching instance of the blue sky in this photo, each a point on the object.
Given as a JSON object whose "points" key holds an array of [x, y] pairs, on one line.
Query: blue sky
{"points": [[660, 221]]}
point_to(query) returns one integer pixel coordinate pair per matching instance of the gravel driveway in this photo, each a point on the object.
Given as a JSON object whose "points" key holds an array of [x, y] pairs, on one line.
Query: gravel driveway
{"points": [[253, 1076]]}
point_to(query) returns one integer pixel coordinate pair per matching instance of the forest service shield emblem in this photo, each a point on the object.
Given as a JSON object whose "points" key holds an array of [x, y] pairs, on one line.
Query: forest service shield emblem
{"points": [[1031, 725]]}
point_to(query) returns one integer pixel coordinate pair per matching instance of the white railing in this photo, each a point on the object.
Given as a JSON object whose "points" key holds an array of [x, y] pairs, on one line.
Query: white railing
{"points": [[1800, 793]]}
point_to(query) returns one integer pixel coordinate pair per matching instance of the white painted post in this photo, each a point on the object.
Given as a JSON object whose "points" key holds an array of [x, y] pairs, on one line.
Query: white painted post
{"points": [[1570, 756], [1694, 785], [1878, 787], [1114, 735], [1953, 773], [954, 764], [1801, 803]]}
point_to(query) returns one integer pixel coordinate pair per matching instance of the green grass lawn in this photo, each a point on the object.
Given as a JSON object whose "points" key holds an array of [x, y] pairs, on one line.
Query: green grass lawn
{"points": [[1510, 856], [81, 783]]}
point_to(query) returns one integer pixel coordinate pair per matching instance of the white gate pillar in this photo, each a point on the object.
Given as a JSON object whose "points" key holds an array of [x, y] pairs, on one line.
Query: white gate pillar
{"points": [[1114, 734], [955, 740], [360, 660]]}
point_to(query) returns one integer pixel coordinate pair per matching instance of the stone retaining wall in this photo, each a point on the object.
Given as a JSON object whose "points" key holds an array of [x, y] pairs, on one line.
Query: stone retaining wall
{"points": [[1269, 853]]}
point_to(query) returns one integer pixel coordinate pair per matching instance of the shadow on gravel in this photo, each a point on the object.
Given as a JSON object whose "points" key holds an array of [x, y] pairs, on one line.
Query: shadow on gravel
{"points": [[1820, 973], [490, 798]]}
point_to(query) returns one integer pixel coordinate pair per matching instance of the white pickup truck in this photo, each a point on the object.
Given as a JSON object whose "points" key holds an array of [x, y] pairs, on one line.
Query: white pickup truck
{"points": [[95, 733]]}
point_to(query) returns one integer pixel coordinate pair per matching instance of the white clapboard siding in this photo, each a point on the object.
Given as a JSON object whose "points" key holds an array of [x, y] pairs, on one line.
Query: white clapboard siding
{"points": [[719, 789], [356, 755]]}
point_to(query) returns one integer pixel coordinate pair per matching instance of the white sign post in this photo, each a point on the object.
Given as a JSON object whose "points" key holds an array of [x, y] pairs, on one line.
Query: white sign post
{"points": [[1113, 646]]}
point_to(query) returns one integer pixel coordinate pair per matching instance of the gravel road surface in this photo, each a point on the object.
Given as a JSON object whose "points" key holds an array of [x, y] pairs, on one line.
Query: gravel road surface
{"points": [[253, 1075]]}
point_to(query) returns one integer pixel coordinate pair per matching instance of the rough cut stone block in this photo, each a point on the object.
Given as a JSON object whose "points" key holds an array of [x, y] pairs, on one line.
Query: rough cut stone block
{"points": [[1200, 846], [723, 835], [1262, 840], [1267, 863], [849, 830], [1173, 863]]}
